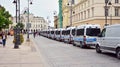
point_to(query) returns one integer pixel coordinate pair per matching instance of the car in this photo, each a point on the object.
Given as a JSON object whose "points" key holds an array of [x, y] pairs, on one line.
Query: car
{"points": [[109, 40]]}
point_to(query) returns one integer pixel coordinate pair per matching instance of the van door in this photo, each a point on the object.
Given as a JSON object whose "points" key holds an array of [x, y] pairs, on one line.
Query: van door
{"points": [[112, 38], [101, 39]]}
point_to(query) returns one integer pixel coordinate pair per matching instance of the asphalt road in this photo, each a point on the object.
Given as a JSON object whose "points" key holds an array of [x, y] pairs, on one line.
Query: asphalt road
{"points": [[59, 54]]}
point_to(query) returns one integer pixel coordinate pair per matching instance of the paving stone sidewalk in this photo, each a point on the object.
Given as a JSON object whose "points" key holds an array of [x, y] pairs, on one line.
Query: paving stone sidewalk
{"points": [[25, 56]]}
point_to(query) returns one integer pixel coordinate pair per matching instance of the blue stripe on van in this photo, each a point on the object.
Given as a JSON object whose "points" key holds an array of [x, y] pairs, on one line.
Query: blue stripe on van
{"points": [[87, 39], [90, 39]]}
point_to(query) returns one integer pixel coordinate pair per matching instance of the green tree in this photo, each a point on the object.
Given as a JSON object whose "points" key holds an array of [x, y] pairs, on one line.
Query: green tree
{"points": [[4, 18], [20, 25]]}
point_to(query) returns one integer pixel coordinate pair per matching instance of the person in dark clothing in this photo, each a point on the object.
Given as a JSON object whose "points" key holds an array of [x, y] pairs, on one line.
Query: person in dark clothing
{"points": [[34, 33], [4, 37], [0, 37]]}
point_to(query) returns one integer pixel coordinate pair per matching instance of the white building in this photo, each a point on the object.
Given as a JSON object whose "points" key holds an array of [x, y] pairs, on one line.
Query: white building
{"points": [[36, 23]]}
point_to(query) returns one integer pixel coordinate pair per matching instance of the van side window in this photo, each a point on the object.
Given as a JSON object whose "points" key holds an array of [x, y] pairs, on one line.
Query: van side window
{"points": [[103, 32], [80, 32]]}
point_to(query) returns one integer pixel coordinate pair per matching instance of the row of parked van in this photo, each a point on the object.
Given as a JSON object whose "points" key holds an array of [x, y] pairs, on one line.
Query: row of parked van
{"points": [[89, 35]]}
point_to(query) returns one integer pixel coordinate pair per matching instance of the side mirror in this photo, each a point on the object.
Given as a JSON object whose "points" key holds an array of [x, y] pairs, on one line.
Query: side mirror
{"points": [[99, 35]]}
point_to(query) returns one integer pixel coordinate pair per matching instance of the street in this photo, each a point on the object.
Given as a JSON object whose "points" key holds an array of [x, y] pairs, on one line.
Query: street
{"points": [[59, 54]]}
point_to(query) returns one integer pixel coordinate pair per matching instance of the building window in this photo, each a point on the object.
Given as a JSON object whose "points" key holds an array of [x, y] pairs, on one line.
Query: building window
{"points": [[92, 11], [92, 1], [82, 6], [81, 15], [116, 11], [85, 5], [116, 1], [85, 14], [88, 13], [88, 3]]}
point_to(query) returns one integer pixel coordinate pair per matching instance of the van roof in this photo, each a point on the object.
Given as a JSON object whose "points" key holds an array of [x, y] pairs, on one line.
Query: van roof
{"points": [[70, 28], [89, 26], [114, 25]]}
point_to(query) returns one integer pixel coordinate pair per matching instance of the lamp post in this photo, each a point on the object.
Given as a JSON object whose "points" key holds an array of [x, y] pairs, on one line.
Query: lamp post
{"points": [[71, 2], [107, 2], [28, 24], [111, 12], [17, 29]]}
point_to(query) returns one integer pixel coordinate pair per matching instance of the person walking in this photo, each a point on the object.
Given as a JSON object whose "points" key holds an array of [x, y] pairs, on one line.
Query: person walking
{"points": [[1, 37], [34, 33], [4, 37]]}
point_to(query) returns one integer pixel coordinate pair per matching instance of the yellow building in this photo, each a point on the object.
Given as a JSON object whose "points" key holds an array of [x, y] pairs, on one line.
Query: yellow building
{"points": [[65, 13], [56, 24], [93, 12]]}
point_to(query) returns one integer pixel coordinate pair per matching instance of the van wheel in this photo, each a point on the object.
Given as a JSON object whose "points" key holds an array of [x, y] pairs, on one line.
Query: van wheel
{"points": [[74, 44], [81, 45], [118, 53], [98, 49]]}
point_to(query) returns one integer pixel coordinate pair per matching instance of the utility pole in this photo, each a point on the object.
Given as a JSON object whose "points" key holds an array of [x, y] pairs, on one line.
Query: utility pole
{"points": [[17, 29], [28, 23], [107, 2], [71, 2]]}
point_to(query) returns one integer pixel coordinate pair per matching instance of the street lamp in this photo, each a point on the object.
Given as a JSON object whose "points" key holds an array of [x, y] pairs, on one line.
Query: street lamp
{"points": [[71, 2], [28, 24], [111, 12], [107, 2], [17, 29]]}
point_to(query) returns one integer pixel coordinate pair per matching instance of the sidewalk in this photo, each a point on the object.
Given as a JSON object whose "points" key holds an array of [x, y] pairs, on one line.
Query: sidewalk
{"points": [[25, 56]]}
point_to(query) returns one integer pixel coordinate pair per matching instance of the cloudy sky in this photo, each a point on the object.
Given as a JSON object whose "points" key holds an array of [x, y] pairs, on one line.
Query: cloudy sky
{"points": [[41, 8]]}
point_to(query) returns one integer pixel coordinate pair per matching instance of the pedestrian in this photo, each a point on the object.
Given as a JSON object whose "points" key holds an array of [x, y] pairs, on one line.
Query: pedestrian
{"points": [[34, 33], [4, 37], [0, 37]]}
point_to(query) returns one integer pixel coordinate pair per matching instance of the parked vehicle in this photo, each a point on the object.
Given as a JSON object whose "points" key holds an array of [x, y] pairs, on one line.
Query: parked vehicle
{"points": [[85, 35], [53, 34], [70, 32], [59, 34], [63, 32], [109, 40]]}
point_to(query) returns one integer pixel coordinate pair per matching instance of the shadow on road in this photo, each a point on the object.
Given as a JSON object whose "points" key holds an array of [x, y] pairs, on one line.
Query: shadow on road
{"points": [[109, 54]]}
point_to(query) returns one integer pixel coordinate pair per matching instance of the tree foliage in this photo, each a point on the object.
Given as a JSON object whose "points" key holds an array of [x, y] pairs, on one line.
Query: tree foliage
{"points": [[20, 25], [4, 18]]}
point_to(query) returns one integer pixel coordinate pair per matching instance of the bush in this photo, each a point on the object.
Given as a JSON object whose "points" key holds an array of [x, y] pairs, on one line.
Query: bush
{"points": [[21, 39]]}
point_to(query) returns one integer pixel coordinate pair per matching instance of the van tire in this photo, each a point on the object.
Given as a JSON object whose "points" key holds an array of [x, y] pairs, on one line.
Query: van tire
{"points": [[74, 44], [81, 45], [118, 53], [98, 49]]}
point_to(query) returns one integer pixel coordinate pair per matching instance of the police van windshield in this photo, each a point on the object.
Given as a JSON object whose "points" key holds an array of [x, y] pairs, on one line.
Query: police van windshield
{"points": [[92, 31]]}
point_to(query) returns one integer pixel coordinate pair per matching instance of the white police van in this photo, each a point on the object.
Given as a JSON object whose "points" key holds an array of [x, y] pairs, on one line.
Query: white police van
{"points": [[86, 35], [109, 40], [70, 32]]}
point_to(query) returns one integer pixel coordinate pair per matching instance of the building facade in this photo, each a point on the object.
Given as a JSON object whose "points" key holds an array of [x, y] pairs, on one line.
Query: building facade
{"points": [[93, 12], [66, 11], [65, 14], [56, 22], [36, 23]]}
